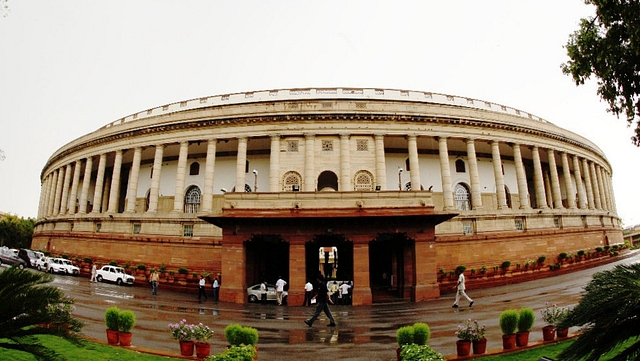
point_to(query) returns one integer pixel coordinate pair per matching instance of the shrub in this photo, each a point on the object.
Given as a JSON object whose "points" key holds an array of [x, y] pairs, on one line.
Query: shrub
{"points": [[237, 335], [526, 319], [172, 272], [404, 335], [235, 353], [88, 260], [541, 259], [126, 321], [483, 269], [64, 256], [599, 249], [562, 255], [163, 267], [183, 271], [505, 264], [414, 352], [111, 316], [581, 253], [509, 322], [421, 333], [113, 263], [142, 267]]}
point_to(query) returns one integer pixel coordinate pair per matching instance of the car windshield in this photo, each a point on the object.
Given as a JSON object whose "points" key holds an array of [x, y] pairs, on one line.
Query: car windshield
{"points": [[119, 270], [66, 262]]}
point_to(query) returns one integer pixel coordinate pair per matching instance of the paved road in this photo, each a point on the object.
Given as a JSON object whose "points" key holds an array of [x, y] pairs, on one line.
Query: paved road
{"points": [[284, 336]]}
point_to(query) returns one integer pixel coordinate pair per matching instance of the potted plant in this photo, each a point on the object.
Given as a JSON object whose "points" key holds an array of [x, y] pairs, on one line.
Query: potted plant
{"points": [[412, 342], [126, 321], [526, 318], [508, 325], [479, 341], [111, 316], [552, 316], [237, 335], [404, 336], [465, 336], [183, 332], [202, 335]]}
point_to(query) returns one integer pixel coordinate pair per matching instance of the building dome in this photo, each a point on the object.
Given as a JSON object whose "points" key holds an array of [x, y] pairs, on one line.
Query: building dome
{"points": [[258, 184]]}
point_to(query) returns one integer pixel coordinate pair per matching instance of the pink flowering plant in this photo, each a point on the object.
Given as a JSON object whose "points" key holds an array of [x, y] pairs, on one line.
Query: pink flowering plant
{"points": [[202, 333], [471, 330], [182, 331], [552, 314]]}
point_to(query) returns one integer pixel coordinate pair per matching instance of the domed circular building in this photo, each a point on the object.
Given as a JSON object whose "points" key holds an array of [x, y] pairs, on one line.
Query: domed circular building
{"points": [[382, 187]]}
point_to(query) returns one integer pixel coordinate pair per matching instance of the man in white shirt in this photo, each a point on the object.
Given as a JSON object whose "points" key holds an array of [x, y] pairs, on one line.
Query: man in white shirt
{"points": [[280, 283], [460, 290], [308, 294], [344, 293]]}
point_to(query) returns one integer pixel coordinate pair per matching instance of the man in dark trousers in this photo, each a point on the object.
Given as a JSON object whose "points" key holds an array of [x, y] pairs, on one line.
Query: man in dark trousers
{"points": [[323, 303]]}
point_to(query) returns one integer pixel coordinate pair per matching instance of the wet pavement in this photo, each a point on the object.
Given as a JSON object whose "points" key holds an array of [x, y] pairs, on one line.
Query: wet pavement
{"points": [[362, 333]]}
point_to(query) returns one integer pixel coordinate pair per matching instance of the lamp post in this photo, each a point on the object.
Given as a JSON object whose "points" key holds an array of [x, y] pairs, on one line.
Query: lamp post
{"points": [[400, 179], [255, 180]]}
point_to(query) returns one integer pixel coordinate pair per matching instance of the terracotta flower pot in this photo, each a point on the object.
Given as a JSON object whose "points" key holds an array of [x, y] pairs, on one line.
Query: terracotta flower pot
{"points": [[112, 337], [548, 333], [203, 349], [463, 347], [125, 338], [479, 346], [508, 341], [522, 338], [186, 348], [562, 332]]}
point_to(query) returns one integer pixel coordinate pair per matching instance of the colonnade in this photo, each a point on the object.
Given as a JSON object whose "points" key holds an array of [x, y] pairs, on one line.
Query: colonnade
{"points": [[63, 186]]}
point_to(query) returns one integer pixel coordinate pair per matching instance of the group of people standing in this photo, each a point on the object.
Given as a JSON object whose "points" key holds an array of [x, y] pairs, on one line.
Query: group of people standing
{"points": [[202, 289]]}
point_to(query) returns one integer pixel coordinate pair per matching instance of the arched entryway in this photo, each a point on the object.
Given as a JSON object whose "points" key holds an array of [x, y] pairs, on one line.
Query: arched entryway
{"points": [[267, 258], [327, 181], [331, 255], [391, 267]]}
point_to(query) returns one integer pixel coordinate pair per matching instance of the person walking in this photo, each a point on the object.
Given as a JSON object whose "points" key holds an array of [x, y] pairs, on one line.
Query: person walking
{"points": [[344, 293], [263, 292], [323, 301], [460, 289], [280, 283], [201, 289], [216, 289], [93, 273], [308, 293], [155, 277]]}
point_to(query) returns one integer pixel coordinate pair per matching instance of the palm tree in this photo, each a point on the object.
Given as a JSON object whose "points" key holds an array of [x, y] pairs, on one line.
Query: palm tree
{"points": [[610, 315], [29, 307]]}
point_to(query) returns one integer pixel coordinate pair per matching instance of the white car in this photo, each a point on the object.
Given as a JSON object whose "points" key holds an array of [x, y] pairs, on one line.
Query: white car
{"points": [[114, 274], [61, 265], [42, 262]]}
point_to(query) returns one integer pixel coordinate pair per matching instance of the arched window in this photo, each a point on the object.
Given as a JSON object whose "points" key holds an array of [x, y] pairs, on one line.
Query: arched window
{"points": [[461, 197], [460, 167], [291, 179], [363, 181], [194, 169], [192, 200]]}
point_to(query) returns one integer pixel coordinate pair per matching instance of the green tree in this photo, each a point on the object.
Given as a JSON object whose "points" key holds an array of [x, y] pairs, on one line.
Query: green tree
{"points": [[16, 232], [609, 312], [607, 46], [28, 307]]}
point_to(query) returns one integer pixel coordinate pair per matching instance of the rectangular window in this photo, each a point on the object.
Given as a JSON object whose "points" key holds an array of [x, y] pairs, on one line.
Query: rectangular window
{"points": [[519, 223], [98, 227], [327, 145], [557, 222], [136, 228], [468, 226], [187, 230], [292, 146], [362, 145], [585, 224]]}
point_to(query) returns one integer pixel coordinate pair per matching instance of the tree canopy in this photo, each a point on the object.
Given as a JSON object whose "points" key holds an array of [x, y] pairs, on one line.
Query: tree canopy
{"points": [[607, 46], [16, 232]]}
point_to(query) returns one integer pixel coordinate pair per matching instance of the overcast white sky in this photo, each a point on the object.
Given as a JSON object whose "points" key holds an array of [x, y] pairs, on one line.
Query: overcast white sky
{"points": [[70, 67]]}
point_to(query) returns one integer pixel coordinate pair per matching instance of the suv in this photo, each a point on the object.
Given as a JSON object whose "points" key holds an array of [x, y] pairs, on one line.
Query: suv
{"points": [[114, 274], [29, 256], [61, 265], [7, 256]]}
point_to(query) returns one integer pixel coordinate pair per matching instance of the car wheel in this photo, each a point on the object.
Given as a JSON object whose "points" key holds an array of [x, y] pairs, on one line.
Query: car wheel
{"points": [[119, 282], [99, 278], [51, 270], [66, 271], [39, 268], [253, 298], [21, 266]]}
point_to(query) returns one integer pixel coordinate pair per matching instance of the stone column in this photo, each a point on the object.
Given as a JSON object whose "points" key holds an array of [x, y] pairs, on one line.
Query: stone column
{"points": [[114, 192], [381, 167], [498, 175], [361, 294], [521, 176], [414, 164], [603, 190], [86, 182], [425, 264], [241, 164], [345, 164], [44, 196], [582, 194], [97, 194], [588, 184], [65, 189], [154, 192], [207, 201], [274, 164], [547, 186], [568, 185], [297, 273], [541, 197], [555, 180], [309, 184], [134, 176], [234, 270], [612, 194], [476, 192], [596, 188], [52, 192], [181, 173], [58, 195], [445, 174], [73, 196]]}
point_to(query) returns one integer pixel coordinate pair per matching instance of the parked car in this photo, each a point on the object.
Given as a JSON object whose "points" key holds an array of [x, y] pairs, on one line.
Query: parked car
{"points": [[114, 274], [42, 262], [61, 265], [29, 256], [255, 294], [7, 256]]}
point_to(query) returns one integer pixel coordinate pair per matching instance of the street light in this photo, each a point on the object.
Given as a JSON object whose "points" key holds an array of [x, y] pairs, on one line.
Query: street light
{"points": [[255, 180], [400, 170]]}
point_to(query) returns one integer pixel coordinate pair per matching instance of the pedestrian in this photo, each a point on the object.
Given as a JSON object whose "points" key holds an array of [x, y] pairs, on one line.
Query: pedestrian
{"points": [[323, 301], [333, 289], [308, 293], [460, 289], [344, 293], [155, 277], [93, 273], [280, 283], [216, 289], [263, 292], [201, 289]]}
